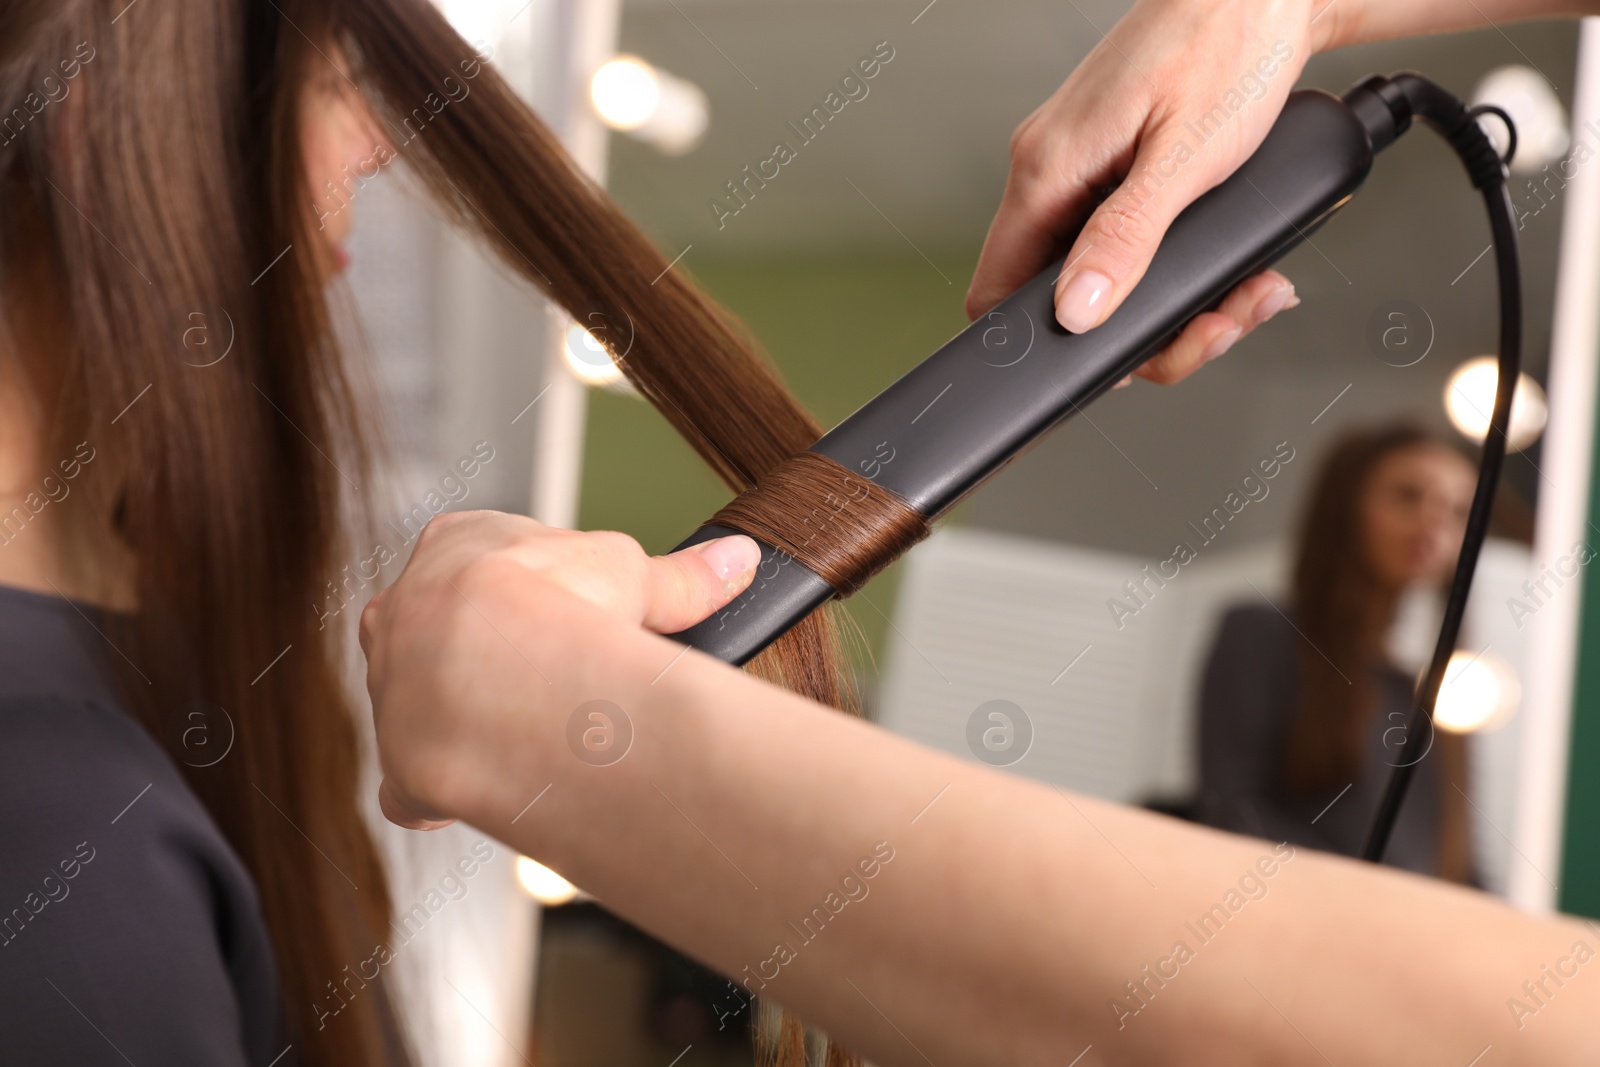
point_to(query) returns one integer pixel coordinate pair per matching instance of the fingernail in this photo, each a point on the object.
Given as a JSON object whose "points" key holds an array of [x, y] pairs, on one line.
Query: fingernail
{"points": [[1078, 307], [1274, 302], [730, 557], [1127, 380], [1221, 343]]}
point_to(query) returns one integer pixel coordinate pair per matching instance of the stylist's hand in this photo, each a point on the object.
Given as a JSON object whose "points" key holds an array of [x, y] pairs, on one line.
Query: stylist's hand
{"points": [[497, 620], [1138, 108]]}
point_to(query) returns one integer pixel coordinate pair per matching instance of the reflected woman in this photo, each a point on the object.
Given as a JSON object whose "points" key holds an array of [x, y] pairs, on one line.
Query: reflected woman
{"points": [[1302, 714]]}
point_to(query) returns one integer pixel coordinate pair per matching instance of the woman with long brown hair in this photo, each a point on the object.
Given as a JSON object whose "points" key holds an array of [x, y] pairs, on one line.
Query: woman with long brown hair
{"points": [[1303, 711], [181, 442]]}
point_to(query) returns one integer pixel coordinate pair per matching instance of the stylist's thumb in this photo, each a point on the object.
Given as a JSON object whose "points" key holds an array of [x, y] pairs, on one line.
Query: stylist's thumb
{"points": [[1116, 244], [688, 585]]}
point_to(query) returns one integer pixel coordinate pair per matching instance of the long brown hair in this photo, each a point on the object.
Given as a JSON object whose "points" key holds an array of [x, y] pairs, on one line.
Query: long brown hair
{"points": [[1345, 613], [168, 184]]}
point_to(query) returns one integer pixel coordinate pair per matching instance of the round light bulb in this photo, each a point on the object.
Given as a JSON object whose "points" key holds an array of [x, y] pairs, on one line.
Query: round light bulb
{"points": [[588, 359], [543, 884], [1469, 401], [626, 92], [1527, 97], [1479, 690], [650, 104], [482, 23]]}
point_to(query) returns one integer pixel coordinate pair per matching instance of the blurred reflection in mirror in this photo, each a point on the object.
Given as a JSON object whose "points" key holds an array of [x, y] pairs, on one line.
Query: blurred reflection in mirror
{"points": [[1305, 702]]}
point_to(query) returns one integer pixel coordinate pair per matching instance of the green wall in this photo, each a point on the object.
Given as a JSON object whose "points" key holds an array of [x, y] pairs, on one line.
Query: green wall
{"points": [[840, 329], [1580, 865]]}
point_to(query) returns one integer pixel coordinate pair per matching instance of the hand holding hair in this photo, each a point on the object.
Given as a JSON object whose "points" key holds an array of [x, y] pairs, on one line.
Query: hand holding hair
{"points": [[464, 564]]}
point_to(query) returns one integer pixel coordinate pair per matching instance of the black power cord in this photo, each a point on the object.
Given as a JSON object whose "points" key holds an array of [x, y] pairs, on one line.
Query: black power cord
{"points": [[1406, 96]]}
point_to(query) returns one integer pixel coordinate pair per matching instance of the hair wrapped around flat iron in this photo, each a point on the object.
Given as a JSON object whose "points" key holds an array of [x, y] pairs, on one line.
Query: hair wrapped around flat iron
{"points": [[837, 523]]}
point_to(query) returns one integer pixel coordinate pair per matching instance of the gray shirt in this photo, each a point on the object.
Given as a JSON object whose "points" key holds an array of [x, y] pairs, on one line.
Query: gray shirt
{"points": [[129, 929], [1247, 702]]}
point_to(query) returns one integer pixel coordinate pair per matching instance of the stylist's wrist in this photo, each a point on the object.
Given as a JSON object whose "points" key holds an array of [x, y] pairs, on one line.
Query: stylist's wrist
{"points": [[1330, 23]]}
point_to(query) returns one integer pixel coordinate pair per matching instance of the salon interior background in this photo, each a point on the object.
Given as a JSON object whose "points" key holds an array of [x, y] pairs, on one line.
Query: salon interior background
{"points": [[850, 264]]}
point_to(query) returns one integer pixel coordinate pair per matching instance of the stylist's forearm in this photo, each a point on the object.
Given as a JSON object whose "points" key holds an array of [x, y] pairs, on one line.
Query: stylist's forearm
{"points": [[1336, 23], [1012, 917]]}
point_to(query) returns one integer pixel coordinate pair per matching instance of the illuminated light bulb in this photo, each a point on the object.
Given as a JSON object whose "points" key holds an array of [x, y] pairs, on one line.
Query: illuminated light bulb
{"points": [[626, 91], [543, 884], [1469, 401], [1479, 691], [590, 360], [649, 104], [479, 21], [1541, 123]]}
